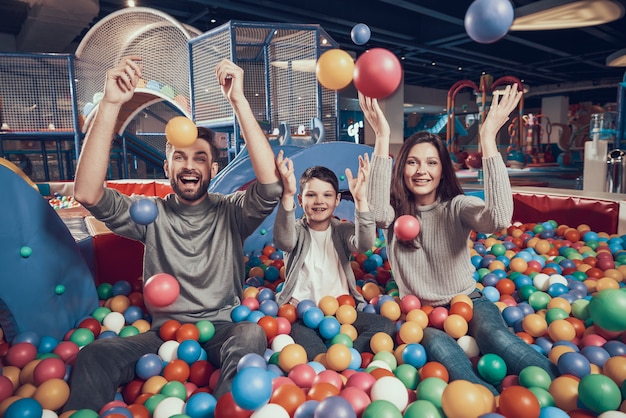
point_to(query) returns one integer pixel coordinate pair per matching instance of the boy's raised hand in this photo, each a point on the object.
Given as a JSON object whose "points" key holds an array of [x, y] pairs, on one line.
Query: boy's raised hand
{"points": [[358, 184]]}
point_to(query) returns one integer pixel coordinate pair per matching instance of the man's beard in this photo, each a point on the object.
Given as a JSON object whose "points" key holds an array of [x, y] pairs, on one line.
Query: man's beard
{"points": [[190, 195]]}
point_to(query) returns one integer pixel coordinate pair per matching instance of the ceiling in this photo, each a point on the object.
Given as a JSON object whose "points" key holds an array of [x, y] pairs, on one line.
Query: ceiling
{"points": [[428, 34]]}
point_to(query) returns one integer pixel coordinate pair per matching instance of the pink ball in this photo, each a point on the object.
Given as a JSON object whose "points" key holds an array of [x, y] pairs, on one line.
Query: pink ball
{"points": [[357, 398], [161, 290], [67, 351], [329, 376], [49, 368], [302, 375], [361, 380], [284, 326], [406, 227], [6, 388], [410, 302], [377, 73], [438, 316]]}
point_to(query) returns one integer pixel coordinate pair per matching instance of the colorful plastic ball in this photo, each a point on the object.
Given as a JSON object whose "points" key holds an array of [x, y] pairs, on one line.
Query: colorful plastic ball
{"points": [[377, 73], [181, 132], [143, 211], [312, 317], [462, 399], [574, 363], [335, 407], [334, 69], [200, 404], [189, 351], [382, 409], [518, 402], [338, 357], [281, 341], [534, 376], [49, 368], [20, 354], [161, 290], [360, 34], [406, 227], [487, 21], [390, 389], [306, 409], [290, 356], [148, 365], [492, 368], [252, 388], [599, 393], [422, 409], [304, 306], [24, 408], [240, 313], [329, 327], [607, 308]]}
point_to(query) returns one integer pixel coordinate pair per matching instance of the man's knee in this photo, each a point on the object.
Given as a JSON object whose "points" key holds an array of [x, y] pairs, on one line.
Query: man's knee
{"points": [[251, 336]]}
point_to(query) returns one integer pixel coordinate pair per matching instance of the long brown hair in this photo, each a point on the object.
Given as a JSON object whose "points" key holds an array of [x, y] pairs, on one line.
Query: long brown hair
{"points": [[402, 200]]}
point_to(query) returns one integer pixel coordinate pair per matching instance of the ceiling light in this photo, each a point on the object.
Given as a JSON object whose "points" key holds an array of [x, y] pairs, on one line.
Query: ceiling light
{"points": [[566, 14], [131, 3], [618, 59]]}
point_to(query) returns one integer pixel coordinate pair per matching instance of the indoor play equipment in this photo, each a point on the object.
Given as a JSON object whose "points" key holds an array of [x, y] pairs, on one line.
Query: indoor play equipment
{"points": [[47, 285]]}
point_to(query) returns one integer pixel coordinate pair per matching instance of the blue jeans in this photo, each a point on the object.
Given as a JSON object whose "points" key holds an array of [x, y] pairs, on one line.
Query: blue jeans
{"points": [[366, 324], [492, 336], [104, 365]]}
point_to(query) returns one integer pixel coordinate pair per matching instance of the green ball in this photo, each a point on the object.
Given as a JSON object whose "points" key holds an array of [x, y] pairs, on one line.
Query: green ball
{"points": [[381, 409], [431, 389], [599, 393], [274, 358], [553, 314], [543, 396], [423, 409], [59, 289], [388, 358], [408, 375], [263, 231], [174, 389], [153, 401], [26, 251], [580, 309], [206, 330], [82, 336], [105, 291], [492, 368], [607, 309], [85, 413], [534, 376], [526, 290], [482, 272], [539, 300], [100, 313], [129, 331], [498, 249], [342, 339]]}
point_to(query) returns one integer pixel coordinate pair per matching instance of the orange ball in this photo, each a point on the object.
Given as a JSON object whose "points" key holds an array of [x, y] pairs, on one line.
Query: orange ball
{"points": [[338, 357], [391, 309], [322, 390], [153, 385], [328, 305], [411, 332], [419, 316], [463, 309], [176, 370], [269, 325], [534, 324], [564, 391], [560, 329], [290, 356], [434, 369], [289, 312], [346, 300], [381, 342], [615, 369], [518, 402], [168, 330], [349, 330], [370, 290], [346, 314], [463, 399], [181, 132], [187, 332], [334, 69], [52, 394], [119, 303], [289, 396], [455, 326]]}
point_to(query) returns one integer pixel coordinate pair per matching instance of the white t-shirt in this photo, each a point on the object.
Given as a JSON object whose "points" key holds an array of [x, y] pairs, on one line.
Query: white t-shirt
{"points": [[321, 273]]}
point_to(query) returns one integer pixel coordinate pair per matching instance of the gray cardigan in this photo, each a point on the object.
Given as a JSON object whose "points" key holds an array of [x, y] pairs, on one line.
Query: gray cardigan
{"points": [[293, 237]]}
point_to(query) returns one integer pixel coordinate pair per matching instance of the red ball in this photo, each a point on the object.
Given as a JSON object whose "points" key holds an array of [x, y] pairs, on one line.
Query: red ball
{"points": [[49, 368], [377, 73], [161, 290], [474, 160], [406, 227], [21, 354]]}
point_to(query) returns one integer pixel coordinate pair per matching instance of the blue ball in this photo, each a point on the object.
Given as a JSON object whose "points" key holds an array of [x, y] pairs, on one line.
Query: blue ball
{"points": [[312, 317], [143, 211], [335, 407], [148, 365], [271, 274], [304, 306], [122, 287], [269, 307], [414, 354], [265, 294], [27, 337], [252, 388], [360, 33], [47, 344], [132, 314], [25, 407], [240, 313], [107, 334], [189, 351], [201, 404], [596, 355], [512, 314], [575, 364], [615, 348], [254, 316], [355, 359], [552, 412], [306, 409], [252, 360], [329, 327]]}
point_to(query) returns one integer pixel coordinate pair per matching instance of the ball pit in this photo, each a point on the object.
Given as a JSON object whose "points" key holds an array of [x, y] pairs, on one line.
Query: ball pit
{"points": [[561, 291]]}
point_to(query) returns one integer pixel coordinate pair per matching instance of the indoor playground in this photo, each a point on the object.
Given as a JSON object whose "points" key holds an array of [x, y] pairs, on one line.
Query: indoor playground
{"points": [[557, 273]]}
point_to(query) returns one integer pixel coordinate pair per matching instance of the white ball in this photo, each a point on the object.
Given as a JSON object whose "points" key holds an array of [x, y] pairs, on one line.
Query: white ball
{"points": [[541, 281], [612, 414], [169, 350], [47, 413], [169, 407], [468, 345], [281, 341], [390, 389], [114, 321], [270, 410], [557, 278], [379, 364]]}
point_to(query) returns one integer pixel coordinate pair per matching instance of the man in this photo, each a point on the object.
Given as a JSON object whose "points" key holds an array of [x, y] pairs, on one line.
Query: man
{"points": [[197, 237]]}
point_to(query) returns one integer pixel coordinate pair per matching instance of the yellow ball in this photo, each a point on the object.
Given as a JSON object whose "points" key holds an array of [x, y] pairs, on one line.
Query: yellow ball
{"points": [[328, 305], [455, 326], [391, 310], [334, 69], [338, 357], [346, 314], [411, 332], [381, 342], [181, 132], [290, 356]]}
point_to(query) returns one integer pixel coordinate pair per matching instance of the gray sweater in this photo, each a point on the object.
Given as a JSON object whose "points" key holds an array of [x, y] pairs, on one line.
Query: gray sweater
{"points": [[441, 268], [293, 237], [201, 246]]}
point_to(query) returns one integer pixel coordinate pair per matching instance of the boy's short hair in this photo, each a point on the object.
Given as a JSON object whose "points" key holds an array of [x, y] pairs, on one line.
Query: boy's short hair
{"points": [[321, 173], [203, 133]]}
